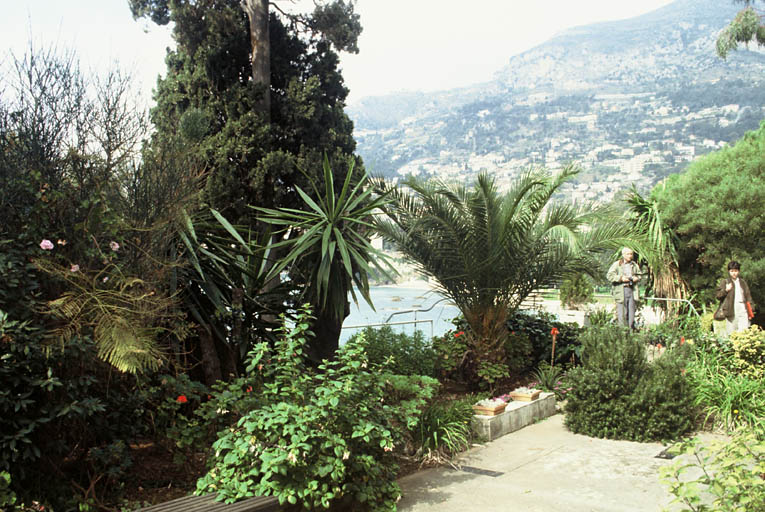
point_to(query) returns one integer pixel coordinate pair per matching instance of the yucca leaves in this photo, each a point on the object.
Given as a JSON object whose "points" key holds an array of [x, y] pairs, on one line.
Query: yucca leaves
{"points": [[328, 241]]}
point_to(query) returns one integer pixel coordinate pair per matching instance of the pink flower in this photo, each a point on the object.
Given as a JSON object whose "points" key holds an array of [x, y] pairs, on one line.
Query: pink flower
{"points": [[61, 242], [74, 268], [46, 245], [106, 278], [114, 246]]}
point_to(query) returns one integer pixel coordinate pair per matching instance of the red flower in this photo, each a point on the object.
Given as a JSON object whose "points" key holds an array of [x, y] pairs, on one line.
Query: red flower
{"points": [[461, 333], [181, 399], [249, 389], [682, 339], [658, 345], [554, 331]]}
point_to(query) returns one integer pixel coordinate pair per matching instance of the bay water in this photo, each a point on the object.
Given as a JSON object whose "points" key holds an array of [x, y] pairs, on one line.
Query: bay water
{"points": [[395, 304]]}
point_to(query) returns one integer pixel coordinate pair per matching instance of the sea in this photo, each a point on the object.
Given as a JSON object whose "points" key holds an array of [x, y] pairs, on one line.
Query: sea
{"points": [[405, 307]]}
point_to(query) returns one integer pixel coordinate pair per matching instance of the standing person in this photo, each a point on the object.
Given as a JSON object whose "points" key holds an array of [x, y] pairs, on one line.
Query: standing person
{"points": [[624, 275], [734, 292]]}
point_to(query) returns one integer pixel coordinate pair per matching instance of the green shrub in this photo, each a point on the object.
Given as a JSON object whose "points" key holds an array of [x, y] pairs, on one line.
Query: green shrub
{"points": [[444, 428], [321, 438], [731, 473], [450, 349], [518, 351], [403, 354], [726, 398], [749, 352], [537, 327], [601, 317], [576, 291], [63, 417], [617, 394]]}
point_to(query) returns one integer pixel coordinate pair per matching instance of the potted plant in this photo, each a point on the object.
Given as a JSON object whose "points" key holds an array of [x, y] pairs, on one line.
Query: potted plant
{"points": [[490, 407], [524, 394]]}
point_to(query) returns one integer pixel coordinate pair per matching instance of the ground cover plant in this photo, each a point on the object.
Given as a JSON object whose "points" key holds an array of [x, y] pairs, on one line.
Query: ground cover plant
{"points": [[726, 395]]}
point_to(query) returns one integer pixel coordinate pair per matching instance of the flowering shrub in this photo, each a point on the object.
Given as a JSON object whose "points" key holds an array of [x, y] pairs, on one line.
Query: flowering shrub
{"points": [[319, 438]]}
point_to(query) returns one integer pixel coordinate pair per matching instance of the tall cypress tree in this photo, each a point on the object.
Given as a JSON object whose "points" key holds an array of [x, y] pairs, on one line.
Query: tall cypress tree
{"points": [[255, 126], [211, 101]]}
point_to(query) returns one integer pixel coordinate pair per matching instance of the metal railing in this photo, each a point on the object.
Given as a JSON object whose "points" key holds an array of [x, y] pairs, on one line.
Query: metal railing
{"points": [[675, 300], [403, 312], [415, 322]]}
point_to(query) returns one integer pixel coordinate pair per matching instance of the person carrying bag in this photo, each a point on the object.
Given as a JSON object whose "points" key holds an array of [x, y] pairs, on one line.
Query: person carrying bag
{"points": [[736, 305]]}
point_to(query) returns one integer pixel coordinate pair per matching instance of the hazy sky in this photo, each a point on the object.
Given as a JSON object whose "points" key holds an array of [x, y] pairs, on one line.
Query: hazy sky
{"points": [[406, 44]]}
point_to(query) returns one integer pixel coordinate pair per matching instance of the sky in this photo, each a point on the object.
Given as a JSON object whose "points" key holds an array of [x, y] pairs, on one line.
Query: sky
{"points": [[412, 45]]}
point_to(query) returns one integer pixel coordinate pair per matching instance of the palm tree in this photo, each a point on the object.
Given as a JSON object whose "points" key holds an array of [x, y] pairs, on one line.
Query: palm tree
{"points": [[488, 250]]}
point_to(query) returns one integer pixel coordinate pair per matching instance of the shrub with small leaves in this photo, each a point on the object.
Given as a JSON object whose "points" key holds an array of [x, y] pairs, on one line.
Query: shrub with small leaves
{"points": [[749, 351], [321, 438], [617, 394], [404, 354]]}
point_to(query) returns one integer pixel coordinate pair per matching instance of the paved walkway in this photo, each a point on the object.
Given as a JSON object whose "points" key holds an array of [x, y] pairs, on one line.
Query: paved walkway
{"points": [[543, 468]]}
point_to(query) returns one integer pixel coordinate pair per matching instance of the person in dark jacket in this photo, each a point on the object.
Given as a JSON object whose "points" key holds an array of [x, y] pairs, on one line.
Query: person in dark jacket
{"points": [[734, 294]]}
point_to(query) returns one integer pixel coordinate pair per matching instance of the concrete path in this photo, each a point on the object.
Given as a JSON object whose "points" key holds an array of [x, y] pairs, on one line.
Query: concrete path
{"points": [[543, 468]]}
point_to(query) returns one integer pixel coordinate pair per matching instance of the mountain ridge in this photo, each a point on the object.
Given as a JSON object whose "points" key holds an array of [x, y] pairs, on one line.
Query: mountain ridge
{"points": [[641, 97]]}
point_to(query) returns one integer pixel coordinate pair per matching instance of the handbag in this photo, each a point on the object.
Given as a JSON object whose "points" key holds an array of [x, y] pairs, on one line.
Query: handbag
{"points": [[719, 315], [749, 311]]}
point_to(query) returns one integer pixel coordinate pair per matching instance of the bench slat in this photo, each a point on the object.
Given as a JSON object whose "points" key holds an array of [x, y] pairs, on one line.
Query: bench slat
{"points": [[207, 503]]}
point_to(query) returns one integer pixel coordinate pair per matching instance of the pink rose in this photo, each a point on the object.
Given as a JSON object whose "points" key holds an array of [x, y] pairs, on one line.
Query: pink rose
{"points": [[74, 268], [114, 246], [46, 245]]}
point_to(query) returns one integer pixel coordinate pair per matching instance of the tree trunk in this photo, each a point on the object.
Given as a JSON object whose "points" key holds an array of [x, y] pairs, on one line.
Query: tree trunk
{"points": [[257, 12], [210, 359], [327, 329]]}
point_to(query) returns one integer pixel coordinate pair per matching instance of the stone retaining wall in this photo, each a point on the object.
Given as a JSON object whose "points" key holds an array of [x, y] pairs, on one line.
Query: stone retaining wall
{"points": [[516, 416]]}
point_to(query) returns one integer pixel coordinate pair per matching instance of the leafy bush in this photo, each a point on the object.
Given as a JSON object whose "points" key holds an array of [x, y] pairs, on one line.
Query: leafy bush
{"points": [[617, 394], [450, 350], [749, 352], [403, 354], [537, 327], [731, 473], [601, 317], [321, 438], [576, 291], [727, 399], [518, 351], [445, 428], [60, 414]]}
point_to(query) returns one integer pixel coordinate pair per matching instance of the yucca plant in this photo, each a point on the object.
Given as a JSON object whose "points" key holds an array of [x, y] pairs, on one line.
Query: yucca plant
{"points": [[224, 288], [329, 251], [656, 244], [487, 250]]}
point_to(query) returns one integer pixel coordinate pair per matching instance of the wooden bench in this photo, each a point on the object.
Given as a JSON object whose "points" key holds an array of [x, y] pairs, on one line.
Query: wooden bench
{"points": [[207, 503]]}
